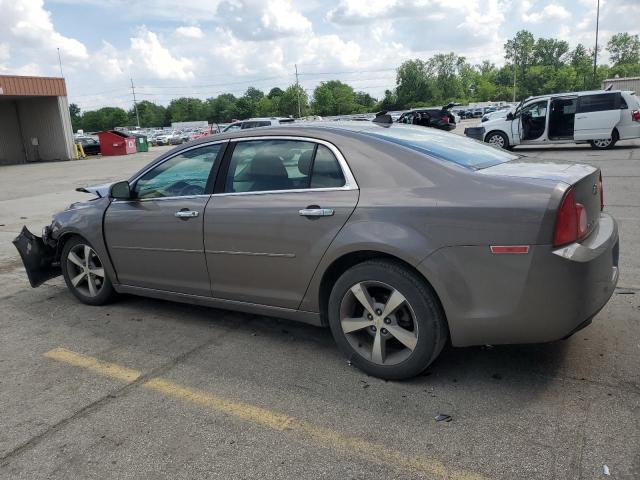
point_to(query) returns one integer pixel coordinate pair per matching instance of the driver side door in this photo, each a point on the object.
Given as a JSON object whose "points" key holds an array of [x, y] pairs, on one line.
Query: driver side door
{"points": [[532, 122], [155, 239]]}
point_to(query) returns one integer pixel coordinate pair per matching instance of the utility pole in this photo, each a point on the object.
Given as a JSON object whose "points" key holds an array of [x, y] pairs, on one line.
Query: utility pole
{"points": [[595, 52], [60, 63], [135, 104], [298, 92], [515, 70]]}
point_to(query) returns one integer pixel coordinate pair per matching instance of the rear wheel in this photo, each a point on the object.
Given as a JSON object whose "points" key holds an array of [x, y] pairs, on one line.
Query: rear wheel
{"points": [[605, 143], [497, 139], [84, 273], [386, 319]]}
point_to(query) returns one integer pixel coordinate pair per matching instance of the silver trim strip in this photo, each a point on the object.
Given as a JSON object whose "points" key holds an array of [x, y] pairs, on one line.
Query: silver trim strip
{"points": [[251, 254], [157, 249]]}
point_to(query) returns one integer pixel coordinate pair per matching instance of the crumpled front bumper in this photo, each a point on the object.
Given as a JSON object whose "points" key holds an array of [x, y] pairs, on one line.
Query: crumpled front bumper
{"points": [[38, 257]]}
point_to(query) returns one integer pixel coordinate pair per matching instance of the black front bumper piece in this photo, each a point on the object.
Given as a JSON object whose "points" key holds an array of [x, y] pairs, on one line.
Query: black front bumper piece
{"points": [[38, 257], [477, 133]]}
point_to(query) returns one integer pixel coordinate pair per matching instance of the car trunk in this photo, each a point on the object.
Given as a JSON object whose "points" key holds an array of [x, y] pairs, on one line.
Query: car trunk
{"points": [[583, 179]]}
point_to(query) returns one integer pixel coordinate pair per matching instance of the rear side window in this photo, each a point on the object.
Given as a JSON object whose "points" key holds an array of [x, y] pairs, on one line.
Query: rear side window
{"points": [[599, 103]]}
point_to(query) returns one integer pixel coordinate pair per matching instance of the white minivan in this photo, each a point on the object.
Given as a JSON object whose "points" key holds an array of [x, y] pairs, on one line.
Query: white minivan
{"points": [[598, 117]]}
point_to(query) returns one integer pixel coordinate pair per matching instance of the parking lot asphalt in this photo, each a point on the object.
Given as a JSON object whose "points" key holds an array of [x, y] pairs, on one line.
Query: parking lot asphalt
{"points": [[151, 389]]}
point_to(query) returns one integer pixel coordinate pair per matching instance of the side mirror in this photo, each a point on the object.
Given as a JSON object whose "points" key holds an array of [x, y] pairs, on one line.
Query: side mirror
{"points": [[120, 191], [510, 116]]}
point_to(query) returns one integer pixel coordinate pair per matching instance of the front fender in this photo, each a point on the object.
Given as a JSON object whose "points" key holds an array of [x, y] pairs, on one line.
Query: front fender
{"points": [[85, 219]]}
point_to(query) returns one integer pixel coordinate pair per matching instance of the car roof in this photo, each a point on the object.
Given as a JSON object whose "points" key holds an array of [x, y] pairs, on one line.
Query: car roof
{"points": [[577, 94]]}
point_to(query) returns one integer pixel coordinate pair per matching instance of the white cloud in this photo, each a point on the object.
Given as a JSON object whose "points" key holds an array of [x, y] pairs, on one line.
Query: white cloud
{"points": [[27, 28], [189, 32], [157, 59], [551, 11]]}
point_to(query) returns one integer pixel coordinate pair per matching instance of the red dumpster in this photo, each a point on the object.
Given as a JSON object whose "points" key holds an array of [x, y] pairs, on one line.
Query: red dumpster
{"points": [[113, 142]]}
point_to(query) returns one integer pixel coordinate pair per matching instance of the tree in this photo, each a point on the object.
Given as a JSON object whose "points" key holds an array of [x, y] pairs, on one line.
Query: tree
{"points": [[275, 92], [388, 102], [624, 49], [186, 109], [582, 62], [76, 117], [334, 98], [549, 51], [288, 104], [221, 108], [266, 107], [254, 94], [366, 101], [413, 86], [151, 115]]}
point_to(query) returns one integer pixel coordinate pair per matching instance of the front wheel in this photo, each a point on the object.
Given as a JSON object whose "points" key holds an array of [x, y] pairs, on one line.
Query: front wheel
{"points": [[386, 319], [84, 273], [497, 139]]}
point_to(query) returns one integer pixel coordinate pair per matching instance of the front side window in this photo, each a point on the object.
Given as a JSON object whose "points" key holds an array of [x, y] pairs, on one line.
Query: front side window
{"points": [[268, 165], [536, 110], [183, 175]]}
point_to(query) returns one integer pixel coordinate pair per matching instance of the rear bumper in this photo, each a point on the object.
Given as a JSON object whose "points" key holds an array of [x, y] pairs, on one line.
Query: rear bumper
{"points": [[39, 258], [545, 295]]}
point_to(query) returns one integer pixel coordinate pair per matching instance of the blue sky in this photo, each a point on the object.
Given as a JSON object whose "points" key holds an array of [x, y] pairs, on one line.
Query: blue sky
{"points": [[206, 47]]}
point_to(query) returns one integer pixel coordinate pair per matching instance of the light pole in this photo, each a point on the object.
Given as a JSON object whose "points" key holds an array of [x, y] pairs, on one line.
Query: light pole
{"points": [[595, 52]]}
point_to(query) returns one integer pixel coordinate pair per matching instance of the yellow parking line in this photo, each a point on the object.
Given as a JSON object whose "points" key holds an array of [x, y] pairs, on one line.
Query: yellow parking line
{"points": [[324, 437], [98, 366]]}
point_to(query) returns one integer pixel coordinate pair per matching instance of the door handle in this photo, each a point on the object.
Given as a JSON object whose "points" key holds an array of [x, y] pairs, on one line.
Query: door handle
{"points": [[316, 212], [186, 214]]}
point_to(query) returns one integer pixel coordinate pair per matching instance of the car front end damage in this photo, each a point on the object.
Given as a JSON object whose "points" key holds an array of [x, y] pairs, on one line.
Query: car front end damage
{"points": [[39, 255]]}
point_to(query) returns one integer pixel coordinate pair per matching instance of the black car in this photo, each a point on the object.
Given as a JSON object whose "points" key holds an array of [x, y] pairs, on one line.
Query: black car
{"points": [[433, 117], [89, 145]]}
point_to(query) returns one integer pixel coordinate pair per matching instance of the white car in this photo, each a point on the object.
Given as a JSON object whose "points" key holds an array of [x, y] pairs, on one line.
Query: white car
{"points": [[257, 122], [599, 117]]}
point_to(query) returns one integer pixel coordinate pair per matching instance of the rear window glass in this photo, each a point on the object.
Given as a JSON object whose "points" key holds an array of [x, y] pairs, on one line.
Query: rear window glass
{"points": [[444, 146]]}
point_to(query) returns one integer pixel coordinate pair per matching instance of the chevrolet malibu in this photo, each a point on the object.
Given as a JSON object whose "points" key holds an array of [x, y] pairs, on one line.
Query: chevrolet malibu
{"points": [[398, 238]]}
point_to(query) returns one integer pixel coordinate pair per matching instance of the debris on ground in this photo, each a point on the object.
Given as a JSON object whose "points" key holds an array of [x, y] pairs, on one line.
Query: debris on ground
{"points": [[605, 470], [443, 418]]}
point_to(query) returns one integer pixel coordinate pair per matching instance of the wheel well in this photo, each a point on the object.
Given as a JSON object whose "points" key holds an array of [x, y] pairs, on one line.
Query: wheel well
{"points": [[342, 264], [496, 131], [64, 238]]}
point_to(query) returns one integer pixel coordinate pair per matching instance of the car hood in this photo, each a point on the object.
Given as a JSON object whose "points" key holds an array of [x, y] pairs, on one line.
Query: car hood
{"points": [[98, 190]]}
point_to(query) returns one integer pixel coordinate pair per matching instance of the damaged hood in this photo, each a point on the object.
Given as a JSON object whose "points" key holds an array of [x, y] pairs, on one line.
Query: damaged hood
{"points": [[100, 191]]}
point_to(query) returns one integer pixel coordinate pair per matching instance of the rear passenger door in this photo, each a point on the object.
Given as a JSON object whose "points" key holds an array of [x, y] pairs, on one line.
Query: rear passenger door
{"points": [[597, 115], [278, 205]]}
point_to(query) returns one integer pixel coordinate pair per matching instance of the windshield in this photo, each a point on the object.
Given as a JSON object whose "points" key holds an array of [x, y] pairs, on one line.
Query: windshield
{"points": [[444, 146]]}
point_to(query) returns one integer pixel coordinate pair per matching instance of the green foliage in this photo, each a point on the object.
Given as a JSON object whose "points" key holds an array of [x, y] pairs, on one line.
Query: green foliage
{"points": [[334, 98], [624, 49]]}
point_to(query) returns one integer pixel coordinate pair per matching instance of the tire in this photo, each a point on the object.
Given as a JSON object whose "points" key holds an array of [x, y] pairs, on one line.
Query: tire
{"points": [[497, 139], [87, 281], [371, 341], [605, 144]]}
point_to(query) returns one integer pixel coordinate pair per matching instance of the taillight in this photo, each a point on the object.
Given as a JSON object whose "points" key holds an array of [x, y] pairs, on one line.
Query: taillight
{"points": [[571, 223], [445, 119], [635, 115], [601, 189]]}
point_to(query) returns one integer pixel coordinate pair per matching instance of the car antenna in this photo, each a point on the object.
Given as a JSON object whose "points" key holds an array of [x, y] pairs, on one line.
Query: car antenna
{"points": [[383, 117]]}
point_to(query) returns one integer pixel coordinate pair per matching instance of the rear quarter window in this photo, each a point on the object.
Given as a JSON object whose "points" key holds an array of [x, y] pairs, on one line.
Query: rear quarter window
{"points": [[444, 146]]}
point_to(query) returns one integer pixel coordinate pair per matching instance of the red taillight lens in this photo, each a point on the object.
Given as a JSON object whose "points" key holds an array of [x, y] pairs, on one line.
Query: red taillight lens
{"points": [[601, 189], [635, 115], [572, 223], [445, 119]]}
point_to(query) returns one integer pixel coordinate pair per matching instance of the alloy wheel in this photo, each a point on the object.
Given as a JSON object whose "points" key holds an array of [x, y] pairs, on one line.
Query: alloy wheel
{"points": [[496, 141], [86, 272], [603, 143], [379, 323]]}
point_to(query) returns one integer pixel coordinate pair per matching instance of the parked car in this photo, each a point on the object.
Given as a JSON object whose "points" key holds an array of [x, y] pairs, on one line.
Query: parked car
{"points": [[434, 117], [171, 138], [397, 237], [257, 122], [598, 117], [502, 113], [90, 145]]}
